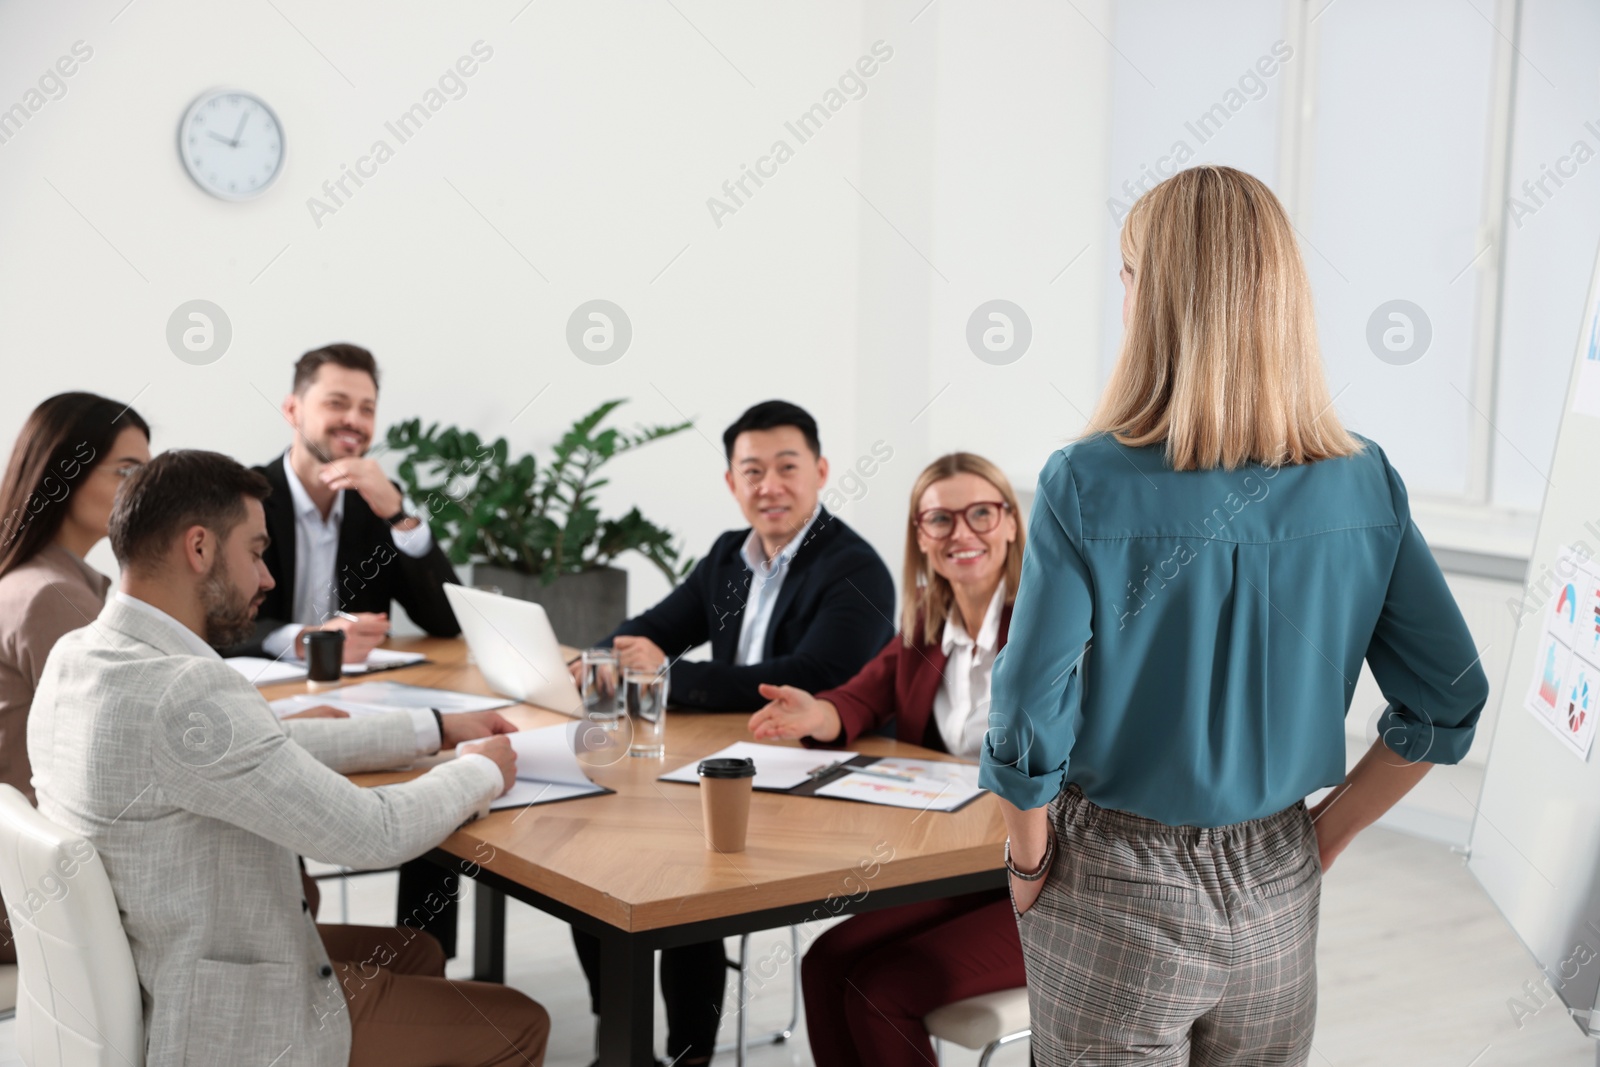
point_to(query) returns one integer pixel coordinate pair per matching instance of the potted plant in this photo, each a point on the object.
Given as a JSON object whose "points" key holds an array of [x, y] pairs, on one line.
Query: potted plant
{"points": [[533, 530]]}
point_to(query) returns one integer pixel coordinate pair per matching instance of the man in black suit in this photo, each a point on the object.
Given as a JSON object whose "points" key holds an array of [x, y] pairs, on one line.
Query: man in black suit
{"points": [[344, 547], [797, 598]]}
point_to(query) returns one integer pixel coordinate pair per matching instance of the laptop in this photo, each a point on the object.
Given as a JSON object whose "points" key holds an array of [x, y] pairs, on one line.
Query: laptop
{"points": [[515, 648]]}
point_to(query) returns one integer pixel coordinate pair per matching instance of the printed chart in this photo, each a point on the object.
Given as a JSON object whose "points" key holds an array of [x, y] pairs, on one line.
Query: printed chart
{"points": [[1565, 676]]}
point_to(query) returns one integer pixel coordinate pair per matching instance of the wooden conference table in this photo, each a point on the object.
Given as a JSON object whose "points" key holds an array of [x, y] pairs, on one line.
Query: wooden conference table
{"points": [[633, 867]]}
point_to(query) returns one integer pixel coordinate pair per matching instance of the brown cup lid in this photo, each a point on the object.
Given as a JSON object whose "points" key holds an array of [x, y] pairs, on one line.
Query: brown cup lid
{"points": [[727, 768]]}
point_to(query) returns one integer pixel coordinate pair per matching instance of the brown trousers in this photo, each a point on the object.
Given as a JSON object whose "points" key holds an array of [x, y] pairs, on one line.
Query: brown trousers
{"points": [[405, 1013]]}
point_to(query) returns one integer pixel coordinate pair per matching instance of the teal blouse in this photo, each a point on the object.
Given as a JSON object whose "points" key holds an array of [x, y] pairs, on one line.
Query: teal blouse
{"points": [[1184, 644]]}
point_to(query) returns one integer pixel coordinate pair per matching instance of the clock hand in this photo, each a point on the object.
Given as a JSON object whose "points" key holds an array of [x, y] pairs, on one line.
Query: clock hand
{"points": [[242, 120], [218, 136]]}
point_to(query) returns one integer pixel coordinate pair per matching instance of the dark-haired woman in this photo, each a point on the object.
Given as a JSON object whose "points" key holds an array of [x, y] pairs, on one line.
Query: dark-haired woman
{"points": [[65, 468]]}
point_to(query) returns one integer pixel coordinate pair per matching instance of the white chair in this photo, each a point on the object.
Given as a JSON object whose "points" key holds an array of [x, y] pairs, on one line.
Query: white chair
{"points": [[988, 1022], [78, 994], [8, 991], [742, 1041]]}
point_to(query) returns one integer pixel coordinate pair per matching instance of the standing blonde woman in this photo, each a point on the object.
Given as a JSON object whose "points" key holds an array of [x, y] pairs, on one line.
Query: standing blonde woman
{"points": [[1206, 569]]}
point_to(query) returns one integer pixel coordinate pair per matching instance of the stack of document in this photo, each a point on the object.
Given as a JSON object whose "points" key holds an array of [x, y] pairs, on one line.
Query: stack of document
{"points": [[547, 768]]}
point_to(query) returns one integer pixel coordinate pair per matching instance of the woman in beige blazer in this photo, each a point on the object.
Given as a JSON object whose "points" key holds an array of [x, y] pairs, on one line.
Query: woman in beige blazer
{"points": [[65, 468]]}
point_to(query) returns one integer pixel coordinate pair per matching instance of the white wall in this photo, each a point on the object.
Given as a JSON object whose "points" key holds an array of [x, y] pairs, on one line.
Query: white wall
{"points": [[1550, 250], [590, 141]]}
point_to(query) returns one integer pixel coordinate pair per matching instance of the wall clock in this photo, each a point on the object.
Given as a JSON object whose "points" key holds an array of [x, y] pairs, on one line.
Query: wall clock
{"points": [[231, 144]]}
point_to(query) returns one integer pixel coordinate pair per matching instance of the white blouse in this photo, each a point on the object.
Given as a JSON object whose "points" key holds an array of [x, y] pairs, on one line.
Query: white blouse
{"points": [[961, 706]]}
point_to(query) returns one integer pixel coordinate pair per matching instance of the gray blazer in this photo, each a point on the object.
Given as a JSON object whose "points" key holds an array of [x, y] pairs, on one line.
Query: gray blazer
{"points": [[198, 799]]}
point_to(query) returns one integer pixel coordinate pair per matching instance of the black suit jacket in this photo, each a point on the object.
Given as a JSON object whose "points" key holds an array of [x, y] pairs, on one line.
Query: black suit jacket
{"points": [[370, 572], [834, 611]]}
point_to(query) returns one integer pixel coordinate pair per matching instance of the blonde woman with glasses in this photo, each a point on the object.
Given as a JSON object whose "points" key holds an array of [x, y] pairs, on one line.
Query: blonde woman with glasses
{"points": [[869, 980], [1207, 567]]}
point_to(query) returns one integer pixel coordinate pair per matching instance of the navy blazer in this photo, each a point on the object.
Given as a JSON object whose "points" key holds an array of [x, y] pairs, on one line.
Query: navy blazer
{"points": [[371, 572], [834, 610]]}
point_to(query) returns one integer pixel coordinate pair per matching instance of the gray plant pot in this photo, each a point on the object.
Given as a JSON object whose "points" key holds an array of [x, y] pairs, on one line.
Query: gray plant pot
{"points": [[583, 607]]}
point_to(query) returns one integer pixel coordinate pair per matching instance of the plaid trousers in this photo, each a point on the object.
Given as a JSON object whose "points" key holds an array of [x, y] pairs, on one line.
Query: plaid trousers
{"points": [[1174, 945]]}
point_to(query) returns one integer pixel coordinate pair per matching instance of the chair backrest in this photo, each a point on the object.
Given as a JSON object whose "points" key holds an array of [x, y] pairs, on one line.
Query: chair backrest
{"points": [[78, 994]]}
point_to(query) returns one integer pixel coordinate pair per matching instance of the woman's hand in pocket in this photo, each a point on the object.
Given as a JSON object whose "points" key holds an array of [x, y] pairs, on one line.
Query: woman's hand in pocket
{"points": [[1024, 894]]}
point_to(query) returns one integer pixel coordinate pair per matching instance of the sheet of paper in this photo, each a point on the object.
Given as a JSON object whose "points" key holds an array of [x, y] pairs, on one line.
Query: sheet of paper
{"points": [[548, 755], [926, 794], [400, 695], [963, 774], [1562, 694], [524, 793], [370, 698], [267, 671], [285, 706], [382, 659], [777, 766]]}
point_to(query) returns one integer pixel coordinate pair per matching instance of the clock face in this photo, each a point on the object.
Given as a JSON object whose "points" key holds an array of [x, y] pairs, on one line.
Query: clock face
{"points": [[231, 144]]}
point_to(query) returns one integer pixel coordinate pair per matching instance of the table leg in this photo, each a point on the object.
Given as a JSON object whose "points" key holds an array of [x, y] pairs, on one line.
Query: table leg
{"points": [[627, 1001], [488, 934]]}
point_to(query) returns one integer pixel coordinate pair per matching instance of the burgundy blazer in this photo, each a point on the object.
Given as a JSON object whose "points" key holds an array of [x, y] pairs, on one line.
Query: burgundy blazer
{"points": [[899, 683]]}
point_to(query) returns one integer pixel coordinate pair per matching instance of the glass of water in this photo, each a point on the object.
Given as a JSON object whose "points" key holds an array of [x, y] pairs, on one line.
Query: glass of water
{"points": [[644, 694], [602, 695]]}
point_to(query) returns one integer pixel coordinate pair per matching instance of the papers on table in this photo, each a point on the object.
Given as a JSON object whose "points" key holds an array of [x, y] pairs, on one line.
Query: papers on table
{"points": [[401, 695], [778, 767], [267, 671], [547, 768], [370, 698], [383, 659], [931, 785]]}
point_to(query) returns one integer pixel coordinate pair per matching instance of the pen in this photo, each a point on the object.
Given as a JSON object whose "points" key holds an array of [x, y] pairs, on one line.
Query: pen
{"points": [[347, 617], [885, 774]]}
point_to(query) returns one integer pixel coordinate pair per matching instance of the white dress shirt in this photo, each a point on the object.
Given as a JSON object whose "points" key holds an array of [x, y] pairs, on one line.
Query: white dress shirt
{"points": [[961, 706], [316, 554], [766, 578], [422, 720]]}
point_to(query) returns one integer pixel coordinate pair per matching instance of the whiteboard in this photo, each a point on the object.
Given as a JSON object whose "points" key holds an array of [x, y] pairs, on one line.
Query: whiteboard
{"points": [[1535, 845]]}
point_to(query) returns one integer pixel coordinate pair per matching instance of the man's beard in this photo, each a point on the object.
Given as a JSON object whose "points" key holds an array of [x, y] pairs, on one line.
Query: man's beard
{"points": [[229, 619], [324, 449]]}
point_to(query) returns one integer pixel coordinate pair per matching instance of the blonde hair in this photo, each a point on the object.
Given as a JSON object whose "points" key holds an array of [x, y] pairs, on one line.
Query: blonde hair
{"points": [[1220, 358], [928, 600]]}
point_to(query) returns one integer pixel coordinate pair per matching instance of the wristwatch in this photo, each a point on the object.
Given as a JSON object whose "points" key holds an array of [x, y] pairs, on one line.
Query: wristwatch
{"points": [[403, 515]]}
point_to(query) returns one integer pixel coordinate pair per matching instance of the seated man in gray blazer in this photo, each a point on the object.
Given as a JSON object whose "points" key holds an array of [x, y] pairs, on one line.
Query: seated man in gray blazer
{"points": [[198, 799]]}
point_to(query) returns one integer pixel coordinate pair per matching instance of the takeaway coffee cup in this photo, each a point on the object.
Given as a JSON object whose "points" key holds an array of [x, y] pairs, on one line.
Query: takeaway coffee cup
{"points": [[725, 801], [324, 654]]}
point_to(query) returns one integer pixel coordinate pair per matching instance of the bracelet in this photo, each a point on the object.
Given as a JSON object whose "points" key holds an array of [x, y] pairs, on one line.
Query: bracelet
{"points": [[1044, 863], [439, 719]]}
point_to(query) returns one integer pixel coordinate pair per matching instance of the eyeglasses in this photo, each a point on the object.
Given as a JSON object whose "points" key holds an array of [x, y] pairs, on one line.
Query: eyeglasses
{"points": [[940, 523]]}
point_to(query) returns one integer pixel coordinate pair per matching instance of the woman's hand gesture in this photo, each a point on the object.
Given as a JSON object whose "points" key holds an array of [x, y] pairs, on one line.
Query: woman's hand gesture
{"points": [[794, 713]]}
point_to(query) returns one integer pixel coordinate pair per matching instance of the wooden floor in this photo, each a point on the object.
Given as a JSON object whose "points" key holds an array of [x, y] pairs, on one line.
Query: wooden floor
{"points": [[1416, 971]]}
